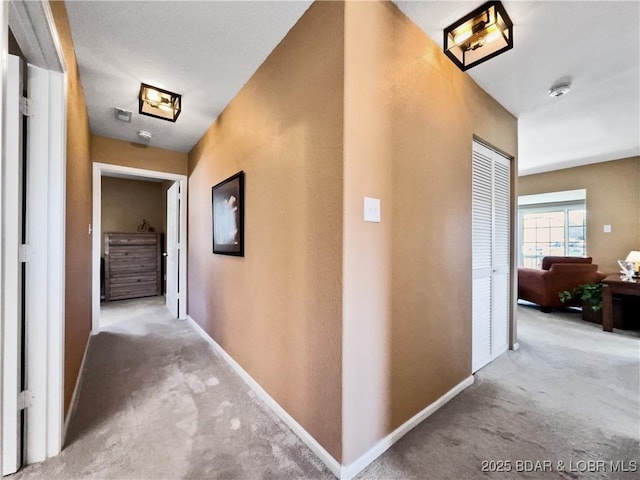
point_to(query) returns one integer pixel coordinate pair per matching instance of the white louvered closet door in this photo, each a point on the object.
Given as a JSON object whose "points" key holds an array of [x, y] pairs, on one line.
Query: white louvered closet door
{"points": [[490, 254]]}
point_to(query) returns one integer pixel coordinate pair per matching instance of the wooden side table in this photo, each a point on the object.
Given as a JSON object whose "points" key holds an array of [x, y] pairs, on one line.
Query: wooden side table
{"points": [[615, 284]]}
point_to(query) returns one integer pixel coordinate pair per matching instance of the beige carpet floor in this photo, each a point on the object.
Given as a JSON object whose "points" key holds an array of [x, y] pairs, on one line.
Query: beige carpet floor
{"points": [[158, 403]]}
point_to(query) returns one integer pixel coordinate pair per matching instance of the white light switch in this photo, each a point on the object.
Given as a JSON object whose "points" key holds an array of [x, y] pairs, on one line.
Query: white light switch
{"points": [[607, 229], [371, 209]]}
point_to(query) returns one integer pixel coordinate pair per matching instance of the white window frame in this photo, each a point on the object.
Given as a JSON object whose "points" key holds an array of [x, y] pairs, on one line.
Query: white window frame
{"points": [[546, 202]]}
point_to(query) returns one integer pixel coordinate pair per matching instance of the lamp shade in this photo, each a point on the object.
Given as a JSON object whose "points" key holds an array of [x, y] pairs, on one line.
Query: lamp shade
{"points": [[634, 256], [479, 36], [159, 103]]}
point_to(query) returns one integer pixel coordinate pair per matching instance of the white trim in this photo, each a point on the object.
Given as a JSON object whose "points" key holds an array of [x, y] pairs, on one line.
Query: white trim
{"points": [[76, 393], [3, 156], [56, 259], [95, 250], [351, 470], [11, 273], [343, 472], [37, 275], [99, 169], [291, 422], [33, 27], [45, 269], [553, 197]]}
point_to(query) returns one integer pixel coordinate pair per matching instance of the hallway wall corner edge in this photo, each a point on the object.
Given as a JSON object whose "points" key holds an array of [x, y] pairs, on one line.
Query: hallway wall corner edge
{"points": [[332, 464]]}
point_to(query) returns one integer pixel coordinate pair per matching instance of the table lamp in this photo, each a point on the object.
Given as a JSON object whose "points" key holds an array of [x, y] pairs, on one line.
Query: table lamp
{"points": [[634, 257]]}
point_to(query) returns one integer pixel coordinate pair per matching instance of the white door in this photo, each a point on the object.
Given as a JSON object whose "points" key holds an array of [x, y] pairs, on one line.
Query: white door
{"points": [[490, 254], [500, 280], [173, 243], [482, 213], [12, 271]]}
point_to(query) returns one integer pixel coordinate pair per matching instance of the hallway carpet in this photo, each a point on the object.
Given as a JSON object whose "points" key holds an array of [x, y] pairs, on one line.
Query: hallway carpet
{"points": [[158, 403]]}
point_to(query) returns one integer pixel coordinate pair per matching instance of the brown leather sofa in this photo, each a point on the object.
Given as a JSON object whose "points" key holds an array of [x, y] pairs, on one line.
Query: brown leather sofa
{"points": [[542, 286]]}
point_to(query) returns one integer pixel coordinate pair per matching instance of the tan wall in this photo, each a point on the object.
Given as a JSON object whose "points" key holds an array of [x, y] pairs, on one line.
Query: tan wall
{"points": [[410, 117], [278, 310], [78, 213], [613, 198], [118, 152], [125, 203]]}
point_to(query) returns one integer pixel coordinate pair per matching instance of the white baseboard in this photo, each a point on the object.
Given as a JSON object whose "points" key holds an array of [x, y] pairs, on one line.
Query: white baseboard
{"points": [[351, 470], [305, 436], [76, 391], [340, 471]]}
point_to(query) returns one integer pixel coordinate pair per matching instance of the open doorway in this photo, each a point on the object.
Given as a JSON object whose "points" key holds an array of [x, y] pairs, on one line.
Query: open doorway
{"points": [[141, 211]]}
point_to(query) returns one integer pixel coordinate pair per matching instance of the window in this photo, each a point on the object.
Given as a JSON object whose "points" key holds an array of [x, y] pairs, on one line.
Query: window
{"points": [[551, 227]]}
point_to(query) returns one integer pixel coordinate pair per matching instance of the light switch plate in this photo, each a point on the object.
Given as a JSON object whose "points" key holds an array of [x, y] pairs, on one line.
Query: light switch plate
{"points": [[371, 209], [607, 229]]}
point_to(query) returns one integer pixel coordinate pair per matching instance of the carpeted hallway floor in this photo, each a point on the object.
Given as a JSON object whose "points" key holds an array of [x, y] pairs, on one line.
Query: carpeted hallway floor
{"points": [[157, 403]]}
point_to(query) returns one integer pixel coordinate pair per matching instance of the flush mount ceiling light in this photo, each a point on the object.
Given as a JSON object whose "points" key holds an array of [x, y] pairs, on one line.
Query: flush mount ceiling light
{"points": [[559, 89], [479, 36], [159, 103]]}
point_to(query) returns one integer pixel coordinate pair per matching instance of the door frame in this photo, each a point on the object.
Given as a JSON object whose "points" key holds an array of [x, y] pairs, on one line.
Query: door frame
{"points": [[103, 169], [34, 28], [12, 220]]}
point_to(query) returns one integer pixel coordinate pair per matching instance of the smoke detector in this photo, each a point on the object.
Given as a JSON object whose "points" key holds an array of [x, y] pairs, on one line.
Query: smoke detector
{"points": [[144, 135], [123, 115], [559, 89]]}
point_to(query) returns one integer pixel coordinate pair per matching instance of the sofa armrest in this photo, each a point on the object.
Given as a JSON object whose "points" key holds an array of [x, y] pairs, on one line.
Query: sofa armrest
{"points": [[532, 285]]}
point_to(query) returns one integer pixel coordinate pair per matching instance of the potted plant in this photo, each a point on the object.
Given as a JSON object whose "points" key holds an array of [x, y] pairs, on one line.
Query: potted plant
{"points": [[590, 294]]}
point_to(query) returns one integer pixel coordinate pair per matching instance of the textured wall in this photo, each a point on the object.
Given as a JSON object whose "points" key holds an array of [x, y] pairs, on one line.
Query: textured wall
{"points": [[410, 118], [126, 202], [278, 310], [118, 152], [613, 198], [78, 213]]}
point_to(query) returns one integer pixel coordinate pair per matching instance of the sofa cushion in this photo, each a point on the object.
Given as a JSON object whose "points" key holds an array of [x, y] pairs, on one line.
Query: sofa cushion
{"points": [[548, 261]]}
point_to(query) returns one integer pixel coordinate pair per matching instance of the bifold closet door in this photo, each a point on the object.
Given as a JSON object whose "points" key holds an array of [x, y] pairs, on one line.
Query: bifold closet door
{"points": [[490, 254]]}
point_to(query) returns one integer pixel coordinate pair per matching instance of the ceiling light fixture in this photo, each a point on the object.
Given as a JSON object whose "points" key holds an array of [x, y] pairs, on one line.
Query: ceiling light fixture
{"points": [[159, 103], [559, 89], [479, 36]]}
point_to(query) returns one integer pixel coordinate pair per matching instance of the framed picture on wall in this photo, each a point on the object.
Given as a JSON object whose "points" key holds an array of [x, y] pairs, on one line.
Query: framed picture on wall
{"points": [[227, 199]]}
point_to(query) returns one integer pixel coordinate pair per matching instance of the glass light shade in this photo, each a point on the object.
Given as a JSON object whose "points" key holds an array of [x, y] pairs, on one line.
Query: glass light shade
{"points": [[159, 103], [634, 257], [479, 36]]}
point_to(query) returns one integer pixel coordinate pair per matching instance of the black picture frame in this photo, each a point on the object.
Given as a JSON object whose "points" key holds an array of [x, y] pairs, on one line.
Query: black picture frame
{"points": [[227, 215]]}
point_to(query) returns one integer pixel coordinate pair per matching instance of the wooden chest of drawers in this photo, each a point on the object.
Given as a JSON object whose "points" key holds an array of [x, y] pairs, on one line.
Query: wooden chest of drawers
{"points": [[132, 265]]}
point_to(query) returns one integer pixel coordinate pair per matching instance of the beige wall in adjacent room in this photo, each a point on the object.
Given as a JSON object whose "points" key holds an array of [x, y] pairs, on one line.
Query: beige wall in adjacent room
{"points": [[410, 118], [613, 198], [125, 203], [78, 214], [278, 310], [119, 152]]}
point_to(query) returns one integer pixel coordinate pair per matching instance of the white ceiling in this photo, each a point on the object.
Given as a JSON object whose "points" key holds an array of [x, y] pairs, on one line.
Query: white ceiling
{"points": [[205, 51], [208, 50], [595, 44]]}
